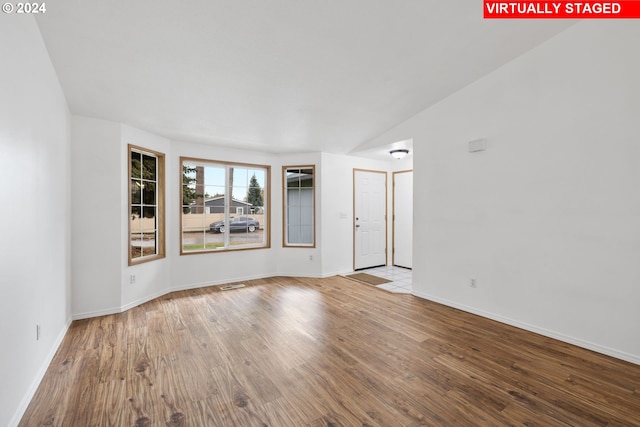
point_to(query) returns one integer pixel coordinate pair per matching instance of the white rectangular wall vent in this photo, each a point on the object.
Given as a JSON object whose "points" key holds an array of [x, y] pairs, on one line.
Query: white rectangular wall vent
{"points": [[230, 287]]}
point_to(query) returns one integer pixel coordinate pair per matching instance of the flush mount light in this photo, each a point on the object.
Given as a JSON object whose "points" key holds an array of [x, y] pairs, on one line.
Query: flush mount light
{"points": [[400, 153]]}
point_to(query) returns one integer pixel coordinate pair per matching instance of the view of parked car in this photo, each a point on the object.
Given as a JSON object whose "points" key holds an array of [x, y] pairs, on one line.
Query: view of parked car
{"points": [[239, 223]]}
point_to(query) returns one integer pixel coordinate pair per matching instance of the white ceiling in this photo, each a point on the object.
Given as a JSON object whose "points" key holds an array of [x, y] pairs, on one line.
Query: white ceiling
{"points": [[274, 75]]}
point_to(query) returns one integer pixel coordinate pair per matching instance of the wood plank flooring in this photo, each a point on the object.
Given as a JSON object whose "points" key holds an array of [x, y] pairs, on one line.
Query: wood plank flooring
{"points": [[322, 352]]}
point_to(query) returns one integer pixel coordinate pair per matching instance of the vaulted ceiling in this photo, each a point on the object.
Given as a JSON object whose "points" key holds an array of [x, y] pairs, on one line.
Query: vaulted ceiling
{"points": [[274, 75]]}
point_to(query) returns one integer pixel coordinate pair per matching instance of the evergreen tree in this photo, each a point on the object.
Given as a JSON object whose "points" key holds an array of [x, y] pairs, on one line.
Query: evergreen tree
{"points": [[189, 194], [143, 167], [254, 195]]}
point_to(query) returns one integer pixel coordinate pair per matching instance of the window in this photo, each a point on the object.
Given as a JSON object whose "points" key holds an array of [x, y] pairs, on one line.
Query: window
{"points": [[299, 206], [217, 198], [146, 205]]}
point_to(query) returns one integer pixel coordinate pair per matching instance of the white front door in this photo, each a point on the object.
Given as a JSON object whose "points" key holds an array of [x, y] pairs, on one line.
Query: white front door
{"points": [[370, 219], [403, 219]]}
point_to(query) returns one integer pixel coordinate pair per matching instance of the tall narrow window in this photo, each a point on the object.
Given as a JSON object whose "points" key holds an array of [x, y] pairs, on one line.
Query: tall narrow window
{"points": [[299, 206], [224, 206], [146, 205]]}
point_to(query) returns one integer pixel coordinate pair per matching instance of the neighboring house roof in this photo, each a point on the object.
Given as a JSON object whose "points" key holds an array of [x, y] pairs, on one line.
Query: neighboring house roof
{"points": [[211, 199]]}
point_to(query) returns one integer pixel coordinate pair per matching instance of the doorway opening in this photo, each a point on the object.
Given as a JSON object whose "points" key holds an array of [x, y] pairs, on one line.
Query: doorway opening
{"points": [[402, 248]]}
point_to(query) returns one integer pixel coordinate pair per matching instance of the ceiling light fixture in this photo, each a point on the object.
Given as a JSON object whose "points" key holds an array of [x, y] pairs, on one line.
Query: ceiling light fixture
{"points": [[400, 153]]}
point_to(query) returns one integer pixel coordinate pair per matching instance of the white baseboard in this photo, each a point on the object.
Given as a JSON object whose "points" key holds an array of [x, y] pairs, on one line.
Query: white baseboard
{"points": [[316, 276], [337, 273], [97, 313], [220, 282], [532, 328], [144, 299], [312, 276], [247, 278], [31, 391]]}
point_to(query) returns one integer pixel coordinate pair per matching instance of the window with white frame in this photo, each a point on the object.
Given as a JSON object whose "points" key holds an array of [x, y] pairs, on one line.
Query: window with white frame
{"points": [[299, 206], [146, 205], [224, 206]]}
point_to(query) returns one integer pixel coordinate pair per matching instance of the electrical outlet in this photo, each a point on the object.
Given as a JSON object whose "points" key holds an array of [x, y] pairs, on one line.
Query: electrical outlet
{"points": [[38, 331], [310, 257], [132, 279], [473, 283]]}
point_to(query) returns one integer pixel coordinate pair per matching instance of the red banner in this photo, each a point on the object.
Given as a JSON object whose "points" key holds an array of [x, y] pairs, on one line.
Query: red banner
{"points": [[561, 9]]}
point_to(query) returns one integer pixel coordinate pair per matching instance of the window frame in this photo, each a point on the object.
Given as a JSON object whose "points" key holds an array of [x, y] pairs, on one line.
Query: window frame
{"points": [[285, 211], [228, 207], [160, 205]]}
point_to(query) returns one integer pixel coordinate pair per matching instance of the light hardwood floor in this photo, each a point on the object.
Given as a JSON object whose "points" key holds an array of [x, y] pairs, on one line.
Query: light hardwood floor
{"points": [[322, 352]]}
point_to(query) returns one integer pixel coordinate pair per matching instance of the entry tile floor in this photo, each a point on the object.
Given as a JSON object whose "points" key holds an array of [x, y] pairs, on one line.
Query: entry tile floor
{"points": [[401, 278]]}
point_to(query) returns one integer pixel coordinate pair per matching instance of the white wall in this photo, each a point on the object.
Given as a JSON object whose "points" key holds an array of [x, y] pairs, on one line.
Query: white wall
{"points": [[96, 215], [547, 220], [34, 164]]}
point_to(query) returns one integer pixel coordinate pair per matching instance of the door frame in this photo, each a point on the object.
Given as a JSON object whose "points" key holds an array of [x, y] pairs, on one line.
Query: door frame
{"points": [[386, 211], [393, 216]]}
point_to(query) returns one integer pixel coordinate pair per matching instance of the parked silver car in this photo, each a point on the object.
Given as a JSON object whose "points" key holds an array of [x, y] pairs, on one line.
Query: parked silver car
{"points": [[239, 223]]}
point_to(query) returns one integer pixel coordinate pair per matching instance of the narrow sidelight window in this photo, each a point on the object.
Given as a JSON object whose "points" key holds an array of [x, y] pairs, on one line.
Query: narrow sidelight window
{"points": [[146, 205], [299, 206]]}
